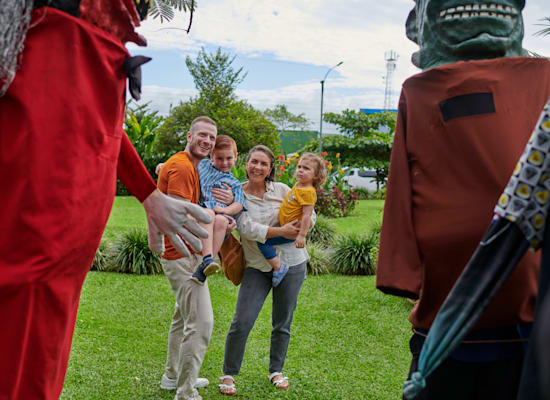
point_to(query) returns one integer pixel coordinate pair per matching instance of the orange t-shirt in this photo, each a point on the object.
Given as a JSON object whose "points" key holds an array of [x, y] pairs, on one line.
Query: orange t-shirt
{"points": [[180, 177]]}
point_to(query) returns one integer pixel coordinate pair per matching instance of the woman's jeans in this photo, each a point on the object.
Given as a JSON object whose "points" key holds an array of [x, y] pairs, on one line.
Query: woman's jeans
{"points": [[252, 294]]}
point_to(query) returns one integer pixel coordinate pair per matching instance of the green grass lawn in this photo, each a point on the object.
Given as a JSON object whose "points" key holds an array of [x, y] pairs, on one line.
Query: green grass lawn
{"points": [[349, 341], [128, 213], [366, 215]]}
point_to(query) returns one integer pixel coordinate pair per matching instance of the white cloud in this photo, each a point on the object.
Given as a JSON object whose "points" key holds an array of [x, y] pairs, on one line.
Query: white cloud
{"points": [[315, 32]]}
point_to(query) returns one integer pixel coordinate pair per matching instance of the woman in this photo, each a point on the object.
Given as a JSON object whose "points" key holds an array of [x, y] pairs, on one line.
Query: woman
{"points": [[263, 199]]}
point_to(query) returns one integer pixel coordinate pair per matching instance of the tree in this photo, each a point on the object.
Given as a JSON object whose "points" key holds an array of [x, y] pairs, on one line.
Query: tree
{"points": [[285, 120], [356, 124], [214, 77], [367, 140], [238, 119], [216, 81]]}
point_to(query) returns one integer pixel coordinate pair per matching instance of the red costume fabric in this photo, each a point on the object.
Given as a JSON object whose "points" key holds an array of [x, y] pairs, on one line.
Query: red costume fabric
{"points": [[450, 162], [61, 143]]}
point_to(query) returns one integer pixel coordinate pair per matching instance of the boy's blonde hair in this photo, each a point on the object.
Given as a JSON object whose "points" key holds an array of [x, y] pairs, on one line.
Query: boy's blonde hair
{"points": [[320, 169], [225, 142]]}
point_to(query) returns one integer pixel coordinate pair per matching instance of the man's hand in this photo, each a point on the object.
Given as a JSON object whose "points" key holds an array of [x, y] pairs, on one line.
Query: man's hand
{"points": [[232, 224], [300, 241], [158, 167], [224, 196], [171, 217]]}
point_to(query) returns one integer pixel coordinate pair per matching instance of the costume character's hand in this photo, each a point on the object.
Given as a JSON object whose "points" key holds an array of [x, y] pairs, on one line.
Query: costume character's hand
{"points": [[224, 196], [171, 217]]}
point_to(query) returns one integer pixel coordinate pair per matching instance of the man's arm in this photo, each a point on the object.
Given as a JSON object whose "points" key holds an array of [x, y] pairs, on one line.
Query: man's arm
{"points": [[307, 210]]}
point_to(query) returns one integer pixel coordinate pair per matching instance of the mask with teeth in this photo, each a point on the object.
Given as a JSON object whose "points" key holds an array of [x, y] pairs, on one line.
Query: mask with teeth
{"points": [[456, 30]]}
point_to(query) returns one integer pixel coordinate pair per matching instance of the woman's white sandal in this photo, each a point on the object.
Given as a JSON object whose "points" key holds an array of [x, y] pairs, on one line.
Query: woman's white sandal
{"points": [[277, 382], [224, 386]]}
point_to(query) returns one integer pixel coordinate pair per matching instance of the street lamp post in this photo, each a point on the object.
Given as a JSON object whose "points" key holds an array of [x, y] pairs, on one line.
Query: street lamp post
{"points": [[322, 94]]}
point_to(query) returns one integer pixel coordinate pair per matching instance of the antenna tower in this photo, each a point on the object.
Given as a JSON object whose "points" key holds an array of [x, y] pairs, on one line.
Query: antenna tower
{"points": [[391, 64]]}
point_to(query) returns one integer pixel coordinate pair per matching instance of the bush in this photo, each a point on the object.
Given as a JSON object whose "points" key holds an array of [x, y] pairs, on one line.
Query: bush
{"points": [[323, 232], [362, 193], [318, 256], [131, 254], [335, 203], [100, 261], [354, 254]]}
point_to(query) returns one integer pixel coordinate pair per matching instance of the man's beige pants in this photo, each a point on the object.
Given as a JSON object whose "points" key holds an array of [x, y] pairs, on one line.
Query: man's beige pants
{"points": [[191, 325]]}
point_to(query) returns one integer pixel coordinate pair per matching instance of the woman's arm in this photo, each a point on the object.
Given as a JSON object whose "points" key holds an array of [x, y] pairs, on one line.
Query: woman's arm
{"points": [[289, 230]]}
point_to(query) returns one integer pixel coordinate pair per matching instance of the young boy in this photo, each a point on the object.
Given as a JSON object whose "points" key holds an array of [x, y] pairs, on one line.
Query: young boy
{"points": [[216, 173]]}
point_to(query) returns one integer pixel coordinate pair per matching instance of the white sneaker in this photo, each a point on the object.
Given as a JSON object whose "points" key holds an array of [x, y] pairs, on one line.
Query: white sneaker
{"points": [[197, 397], [171, 384]]}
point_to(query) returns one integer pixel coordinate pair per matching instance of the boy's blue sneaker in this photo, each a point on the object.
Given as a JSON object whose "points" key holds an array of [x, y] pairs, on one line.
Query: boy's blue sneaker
{"points": [[279, 275], [206, 268]]}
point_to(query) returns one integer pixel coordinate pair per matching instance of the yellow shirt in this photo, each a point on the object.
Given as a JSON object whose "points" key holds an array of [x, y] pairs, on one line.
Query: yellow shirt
{"points": [[295, 199]]}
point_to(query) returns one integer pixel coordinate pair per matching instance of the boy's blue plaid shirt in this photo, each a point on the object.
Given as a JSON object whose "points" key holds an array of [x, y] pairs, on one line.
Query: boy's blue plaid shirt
{"points": [[210, 178]]}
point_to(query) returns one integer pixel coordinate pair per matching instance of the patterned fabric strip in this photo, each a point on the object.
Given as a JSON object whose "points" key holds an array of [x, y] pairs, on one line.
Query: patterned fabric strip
{"points": [[526, 197]]}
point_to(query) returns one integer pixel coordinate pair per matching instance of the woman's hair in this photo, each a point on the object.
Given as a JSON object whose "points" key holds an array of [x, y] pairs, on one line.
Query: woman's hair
{"points": [[225, 142], [320, 169], [267, 151]]}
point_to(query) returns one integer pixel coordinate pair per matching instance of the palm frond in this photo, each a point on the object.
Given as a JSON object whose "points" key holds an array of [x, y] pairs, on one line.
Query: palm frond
{"points": [[545, 31], [165, 8]]}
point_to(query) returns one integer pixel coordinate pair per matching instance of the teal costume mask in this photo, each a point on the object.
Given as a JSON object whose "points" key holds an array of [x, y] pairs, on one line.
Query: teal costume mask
{"points": [[457, 30]]}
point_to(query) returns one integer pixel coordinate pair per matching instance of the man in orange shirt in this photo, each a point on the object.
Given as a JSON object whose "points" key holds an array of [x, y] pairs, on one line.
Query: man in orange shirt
{"points": [[193, 319]]}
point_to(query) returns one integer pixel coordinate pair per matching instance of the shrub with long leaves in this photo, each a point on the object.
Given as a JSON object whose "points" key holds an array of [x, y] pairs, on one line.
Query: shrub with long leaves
{"points": [[100, 261], [353, 254], [132, 254], [322, 233], [318, 256]]}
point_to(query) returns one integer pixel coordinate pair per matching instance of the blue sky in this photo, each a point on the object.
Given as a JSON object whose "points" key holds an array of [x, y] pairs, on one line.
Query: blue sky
{"points": [[287, 46]]}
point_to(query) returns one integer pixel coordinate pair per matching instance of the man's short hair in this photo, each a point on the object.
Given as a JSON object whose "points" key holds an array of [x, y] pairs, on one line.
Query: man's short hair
{"points": [[202, 118], [225, 142]]}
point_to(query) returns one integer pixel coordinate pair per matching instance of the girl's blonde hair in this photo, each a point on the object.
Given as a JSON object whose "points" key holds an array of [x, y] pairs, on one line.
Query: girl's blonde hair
{"points": [[320, 169]]}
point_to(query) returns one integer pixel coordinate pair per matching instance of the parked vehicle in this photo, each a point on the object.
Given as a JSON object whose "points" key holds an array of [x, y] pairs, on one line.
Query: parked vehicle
{"points": [[361, 178]]}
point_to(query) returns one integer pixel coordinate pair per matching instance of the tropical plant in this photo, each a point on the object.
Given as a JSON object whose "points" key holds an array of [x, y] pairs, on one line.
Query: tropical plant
{"points": [[354, 255], [131, 254], [318, 256], [285, 168], [101, 257], [141, 125], [322, 233], [545, 31], [335, 203], [164, 9]]}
